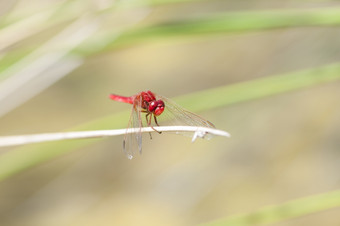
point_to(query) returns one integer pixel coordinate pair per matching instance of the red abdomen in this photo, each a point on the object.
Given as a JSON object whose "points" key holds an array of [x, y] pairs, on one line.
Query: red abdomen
{"points": [[123, 99]]}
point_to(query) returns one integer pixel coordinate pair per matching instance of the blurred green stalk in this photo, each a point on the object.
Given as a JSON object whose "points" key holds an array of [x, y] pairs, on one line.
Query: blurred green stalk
{"points": [[17, 160], [243, 21], [212, 24], [285, 211]]}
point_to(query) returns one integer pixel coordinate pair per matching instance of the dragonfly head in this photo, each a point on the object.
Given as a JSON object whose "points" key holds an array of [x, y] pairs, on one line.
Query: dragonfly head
{"points": [[156, 107]]}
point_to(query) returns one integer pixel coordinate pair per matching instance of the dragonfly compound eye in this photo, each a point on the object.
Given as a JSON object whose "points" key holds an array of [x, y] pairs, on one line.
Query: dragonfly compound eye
{"points": [[156, 107], [159, 107]]}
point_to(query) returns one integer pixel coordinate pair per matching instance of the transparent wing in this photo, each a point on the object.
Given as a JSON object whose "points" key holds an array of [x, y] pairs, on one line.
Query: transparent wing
{"points": [[133, 141], [176, 115]]}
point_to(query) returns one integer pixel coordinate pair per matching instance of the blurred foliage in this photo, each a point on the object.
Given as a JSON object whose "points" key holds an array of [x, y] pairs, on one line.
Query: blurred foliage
{"points": [[18, 160], [42, 42]]}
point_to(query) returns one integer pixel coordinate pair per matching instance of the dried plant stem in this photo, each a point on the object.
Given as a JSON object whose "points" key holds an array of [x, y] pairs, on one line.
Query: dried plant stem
{"points": [[38, 138]]}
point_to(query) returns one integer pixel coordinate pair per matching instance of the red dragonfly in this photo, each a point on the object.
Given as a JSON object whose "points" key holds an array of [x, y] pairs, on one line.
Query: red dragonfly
{"points": [[154, 106]]}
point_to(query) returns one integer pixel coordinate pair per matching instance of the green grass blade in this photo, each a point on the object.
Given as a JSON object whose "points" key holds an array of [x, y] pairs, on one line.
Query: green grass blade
{"points": [[138, 3], [222, 23], [243, 21], [22, 158], [285, 211], [259, 88]]}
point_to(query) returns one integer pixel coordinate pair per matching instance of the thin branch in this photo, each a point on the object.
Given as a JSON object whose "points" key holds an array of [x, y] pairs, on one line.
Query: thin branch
{"points": [[201, 132]]}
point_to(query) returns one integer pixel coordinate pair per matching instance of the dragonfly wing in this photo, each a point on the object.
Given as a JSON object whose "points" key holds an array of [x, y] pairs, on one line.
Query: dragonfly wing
{"points": [[133, 139], [176, 115]]}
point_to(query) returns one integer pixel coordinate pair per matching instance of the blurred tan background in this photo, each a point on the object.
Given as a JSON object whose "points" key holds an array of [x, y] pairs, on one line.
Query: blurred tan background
{"points": [[282, 147]]}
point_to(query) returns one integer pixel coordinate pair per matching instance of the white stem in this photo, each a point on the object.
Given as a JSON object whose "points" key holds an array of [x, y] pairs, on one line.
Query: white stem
{"points": [[38, 138]]}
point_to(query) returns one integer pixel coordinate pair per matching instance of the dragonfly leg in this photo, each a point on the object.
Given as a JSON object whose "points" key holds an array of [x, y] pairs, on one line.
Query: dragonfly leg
{"points": [[155, 130], [149, 124], [146, 117], [147, 120], [155, 118]]}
